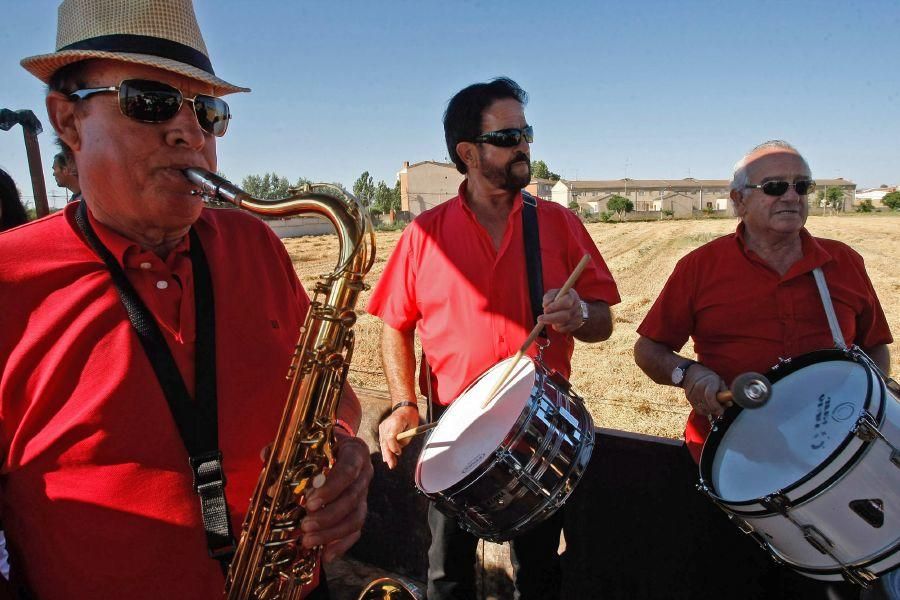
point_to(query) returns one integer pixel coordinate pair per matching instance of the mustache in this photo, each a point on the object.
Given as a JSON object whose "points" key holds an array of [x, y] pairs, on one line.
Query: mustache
{"points": [[520, 157]]}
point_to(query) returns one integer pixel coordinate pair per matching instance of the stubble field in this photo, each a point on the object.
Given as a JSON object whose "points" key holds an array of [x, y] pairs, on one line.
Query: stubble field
{"points": [[640, 256]]}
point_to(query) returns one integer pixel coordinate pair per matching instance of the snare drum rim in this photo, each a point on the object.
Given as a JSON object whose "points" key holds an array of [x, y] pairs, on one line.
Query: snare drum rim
{"points": [[491, 458], [775, 374]]}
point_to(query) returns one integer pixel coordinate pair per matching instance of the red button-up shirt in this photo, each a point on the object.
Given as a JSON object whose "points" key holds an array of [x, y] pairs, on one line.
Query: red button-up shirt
{"points": [[470, 301], [743, 316], [97, 497]]}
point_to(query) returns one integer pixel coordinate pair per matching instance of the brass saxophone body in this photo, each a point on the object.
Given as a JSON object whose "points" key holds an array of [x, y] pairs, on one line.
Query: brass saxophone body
{"points": [[269, 561]]}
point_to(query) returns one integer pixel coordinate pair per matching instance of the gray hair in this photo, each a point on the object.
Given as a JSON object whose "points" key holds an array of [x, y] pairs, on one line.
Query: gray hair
{"points": [[740, 179]]}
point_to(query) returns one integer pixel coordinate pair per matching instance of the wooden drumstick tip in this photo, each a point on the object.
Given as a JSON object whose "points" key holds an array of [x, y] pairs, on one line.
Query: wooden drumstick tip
{"points": [[416, 431]]}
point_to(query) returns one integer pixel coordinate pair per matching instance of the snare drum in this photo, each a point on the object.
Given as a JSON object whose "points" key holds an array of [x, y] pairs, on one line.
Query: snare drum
{"points": [[505, 468], [814, 474]]}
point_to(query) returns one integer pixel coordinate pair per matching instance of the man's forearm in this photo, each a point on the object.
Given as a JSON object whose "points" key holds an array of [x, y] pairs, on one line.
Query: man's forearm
{"points": [[349, 409], [656, 360], [399, 361], [881, 356]]}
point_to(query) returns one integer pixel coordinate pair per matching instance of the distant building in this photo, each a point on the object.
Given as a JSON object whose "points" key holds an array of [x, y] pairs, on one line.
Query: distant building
{"points": [[426, 184], [683, 197], [876, 195], [542, 188]]}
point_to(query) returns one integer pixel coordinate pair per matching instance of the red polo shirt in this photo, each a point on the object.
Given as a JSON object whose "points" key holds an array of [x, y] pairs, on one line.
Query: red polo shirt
{"points": [[97, 500], [743, 316], [470, 302]]}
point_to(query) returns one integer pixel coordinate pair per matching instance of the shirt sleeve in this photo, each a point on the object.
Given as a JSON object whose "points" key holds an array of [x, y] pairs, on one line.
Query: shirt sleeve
{"points": [[394, 298], [596, 282], [871, 325], [671, 319]]}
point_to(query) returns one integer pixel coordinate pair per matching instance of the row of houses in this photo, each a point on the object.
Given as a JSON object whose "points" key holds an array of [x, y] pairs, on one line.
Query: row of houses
{"points": [[426, 184]]}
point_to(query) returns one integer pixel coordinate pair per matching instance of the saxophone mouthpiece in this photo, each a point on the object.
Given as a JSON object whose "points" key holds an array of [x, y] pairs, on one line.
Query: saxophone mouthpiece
{"points": [[215, 189]]}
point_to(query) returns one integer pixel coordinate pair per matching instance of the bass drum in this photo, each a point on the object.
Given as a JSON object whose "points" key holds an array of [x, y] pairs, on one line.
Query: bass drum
{"points": [[814, 474], [505, 468]]}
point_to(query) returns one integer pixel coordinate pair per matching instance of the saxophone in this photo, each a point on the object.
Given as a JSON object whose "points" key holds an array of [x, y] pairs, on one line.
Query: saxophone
{"points": [[269, 561]]}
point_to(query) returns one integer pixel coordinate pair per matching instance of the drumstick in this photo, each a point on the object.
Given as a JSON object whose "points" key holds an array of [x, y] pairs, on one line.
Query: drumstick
{"points": [[536, 331], [416, 430]]}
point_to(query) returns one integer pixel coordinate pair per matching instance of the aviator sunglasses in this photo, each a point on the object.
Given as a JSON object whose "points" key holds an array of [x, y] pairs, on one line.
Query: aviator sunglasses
{"points": [[779, 188], [155, 102], [506, 138]]}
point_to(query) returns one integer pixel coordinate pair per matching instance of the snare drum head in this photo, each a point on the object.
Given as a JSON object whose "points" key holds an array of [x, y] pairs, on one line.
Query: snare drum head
{"points": [[467, 434], [809, 414]]}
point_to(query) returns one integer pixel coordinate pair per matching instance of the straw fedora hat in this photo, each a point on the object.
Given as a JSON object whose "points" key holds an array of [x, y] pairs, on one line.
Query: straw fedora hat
{"points": [[159, 33]]}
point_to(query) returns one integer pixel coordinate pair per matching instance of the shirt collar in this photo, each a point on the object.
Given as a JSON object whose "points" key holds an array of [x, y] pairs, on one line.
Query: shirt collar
{"points": [[123, 248], [814, 255], [461, 195]]}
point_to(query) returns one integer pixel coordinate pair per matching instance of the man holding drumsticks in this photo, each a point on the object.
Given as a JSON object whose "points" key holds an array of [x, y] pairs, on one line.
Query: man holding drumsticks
{"points": [[748, 299], [458, 275]]}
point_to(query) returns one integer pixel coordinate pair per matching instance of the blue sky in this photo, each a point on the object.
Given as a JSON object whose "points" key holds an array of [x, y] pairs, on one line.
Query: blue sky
{"points": [[653, 89]]}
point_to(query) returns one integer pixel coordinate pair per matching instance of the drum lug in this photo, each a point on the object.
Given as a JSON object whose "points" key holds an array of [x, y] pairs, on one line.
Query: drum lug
{"points": [[817, 539], [866, 429], [777, 502], [743, 525], [861, 577]]}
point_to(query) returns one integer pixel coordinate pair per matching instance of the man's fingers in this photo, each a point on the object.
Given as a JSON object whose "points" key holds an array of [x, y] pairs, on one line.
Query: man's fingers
{"points": [[336, 549]]}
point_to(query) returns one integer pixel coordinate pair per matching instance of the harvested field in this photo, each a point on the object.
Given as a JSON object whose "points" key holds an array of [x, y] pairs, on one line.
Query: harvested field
{"points": [[640, 256]]}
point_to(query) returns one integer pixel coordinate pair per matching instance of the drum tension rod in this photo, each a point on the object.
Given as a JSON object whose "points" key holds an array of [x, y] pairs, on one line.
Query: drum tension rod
{"points": [[866, 429]]}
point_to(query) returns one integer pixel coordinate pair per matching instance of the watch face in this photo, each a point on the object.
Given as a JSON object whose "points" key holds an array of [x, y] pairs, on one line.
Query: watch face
{"points": [[677, 375]]}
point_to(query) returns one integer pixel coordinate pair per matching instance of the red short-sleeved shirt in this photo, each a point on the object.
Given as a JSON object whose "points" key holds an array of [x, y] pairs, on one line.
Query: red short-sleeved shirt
{"points": [[97, 500], [469, 301], [743, 316]]}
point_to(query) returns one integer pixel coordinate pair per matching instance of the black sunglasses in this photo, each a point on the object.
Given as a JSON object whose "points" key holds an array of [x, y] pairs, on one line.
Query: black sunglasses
{"points": [[779, 188], [155, 102], [506, 138]]}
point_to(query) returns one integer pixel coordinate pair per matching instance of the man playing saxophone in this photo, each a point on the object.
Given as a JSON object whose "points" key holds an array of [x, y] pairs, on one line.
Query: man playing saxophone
{"points": [[145, 339]]}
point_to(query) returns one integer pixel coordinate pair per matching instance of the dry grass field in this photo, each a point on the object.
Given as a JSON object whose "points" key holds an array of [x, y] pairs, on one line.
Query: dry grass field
{"points": [[640, 256]]}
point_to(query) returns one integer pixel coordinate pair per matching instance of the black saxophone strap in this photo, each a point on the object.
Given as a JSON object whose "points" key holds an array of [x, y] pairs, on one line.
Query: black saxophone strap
{"points": [[197, 421], [533, 268]]}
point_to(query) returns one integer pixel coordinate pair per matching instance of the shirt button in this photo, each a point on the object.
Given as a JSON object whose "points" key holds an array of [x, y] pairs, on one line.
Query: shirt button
{"points": [[145, 265], [162, 284]]}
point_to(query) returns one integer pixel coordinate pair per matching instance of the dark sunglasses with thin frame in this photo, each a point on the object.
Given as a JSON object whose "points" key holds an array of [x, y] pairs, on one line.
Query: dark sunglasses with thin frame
{"points": [[506, 138], [779, 188], [156, 102]]}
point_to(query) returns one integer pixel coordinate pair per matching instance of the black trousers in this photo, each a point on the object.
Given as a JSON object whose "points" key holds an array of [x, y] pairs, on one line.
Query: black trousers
{"points": [[451, 560]]}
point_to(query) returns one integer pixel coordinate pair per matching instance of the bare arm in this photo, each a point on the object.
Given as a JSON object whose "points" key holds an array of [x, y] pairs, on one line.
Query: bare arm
{"points": [[700, 384], [881, 355], [564, 315], [349, 409], [399, 360]]}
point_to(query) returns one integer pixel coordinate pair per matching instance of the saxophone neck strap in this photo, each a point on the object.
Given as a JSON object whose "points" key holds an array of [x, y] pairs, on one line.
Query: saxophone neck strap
{"points": [[197, 420]]}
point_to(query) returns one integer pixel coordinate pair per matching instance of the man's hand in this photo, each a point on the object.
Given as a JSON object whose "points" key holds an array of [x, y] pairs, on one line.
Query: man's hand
{"points": [[701, 386], [397, 422], [564, 315], [337, 510]]}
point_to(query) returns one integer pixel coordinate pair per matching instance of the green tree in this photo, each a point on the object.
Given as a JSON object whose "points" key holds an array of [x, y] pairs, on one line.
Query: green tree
{"points": [[364, 188], [268, 186], [620, 205], [865, 206], [575, 207], [892, 200], [834, 198], [386, 199], [540, 170]]}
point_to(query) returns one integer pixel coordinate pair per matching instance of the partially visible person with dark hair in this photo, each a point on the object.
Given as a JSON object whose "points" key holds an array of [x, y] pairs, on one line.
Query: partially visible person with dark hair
{"points": [[66, 174], [12, 213]]}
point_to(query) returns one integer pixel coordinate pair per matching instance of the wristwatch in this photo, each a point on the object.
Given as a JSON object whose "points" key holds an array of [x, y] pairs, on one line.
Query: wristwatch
{"points": [[585, 313], [680, 371]]}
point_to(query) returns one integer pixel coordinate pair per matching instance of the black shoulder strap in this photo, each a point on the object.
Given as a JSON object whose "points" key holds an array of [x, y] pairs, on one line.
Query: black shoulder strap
{"points": [[197, 421], [533, 267]]}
